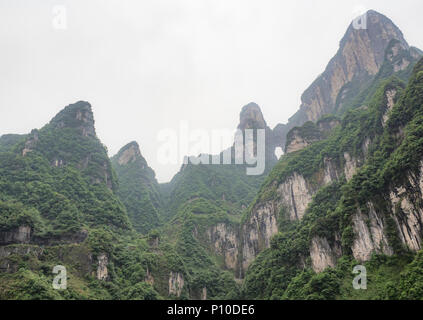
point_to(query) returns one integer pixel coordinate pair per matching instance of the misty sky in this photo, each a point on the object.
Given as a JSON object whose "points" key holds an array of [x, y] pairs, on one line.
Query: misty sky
{"points": [[147, 65]]}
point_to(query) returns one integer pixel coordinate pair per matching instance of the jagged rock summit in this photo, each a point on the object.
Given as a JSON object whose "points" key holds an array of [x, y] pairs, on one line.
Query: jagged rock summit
{"points": [[359, 58], [251, 117], [129, 153], [77, 115]]}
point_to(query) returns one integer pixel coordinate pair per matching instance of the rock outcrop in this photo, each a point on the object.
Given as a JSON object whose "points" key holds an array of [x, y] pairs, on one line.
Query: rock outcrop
{"points": [[297, 143], [390, 98], [369, 234], [149, 277], [225, 242], [102, 262], [290, 201], [30, 142], [350, 166], [405, 204], [21, 234], [257, 231], [322, 254], [79, 116], [251, 117], [204, 294], [300, 137], [129, 153], [360, 56], [176, 283]]}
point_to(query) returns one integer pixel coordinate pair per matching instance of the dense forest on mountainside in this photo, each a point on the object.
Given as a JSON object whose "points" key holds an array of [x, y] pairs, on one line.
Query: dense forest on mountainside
{"points": [[347, 191]]}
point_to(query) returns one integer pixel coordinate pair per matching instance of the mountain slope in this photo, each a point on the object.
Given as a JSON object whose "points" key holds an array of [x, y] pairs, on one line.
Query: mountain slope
{"points": [[360, 195], [226, 184], [138, 188], [59, 206]]}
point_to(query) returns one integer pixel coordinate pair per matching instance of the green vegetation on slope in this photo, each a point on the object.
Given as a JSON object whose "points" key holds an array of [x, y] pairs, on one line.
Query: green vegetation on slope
{"points": [[283, 271], [138, 189]]}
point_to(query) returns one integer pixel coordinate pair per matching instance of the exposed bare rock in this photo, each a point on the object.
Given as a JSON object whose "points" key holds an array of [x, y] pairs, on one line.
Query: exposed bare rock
{"points": [[58, 163], [102, 272], [149, 277], [365, 147], [361, 51], [176, 283], [409, 216], [129, 154], [292, 198], [251, 117], [19, 235], [330, 171], [322, 255], [360, 56], [204, 294], [30, 142], [224, 240], [21, 250], [79, 116], [350, 167], [390, 97], [300, 137], [261, 226], [295, 195], [399, 56], [369, 235], [297, 143]]}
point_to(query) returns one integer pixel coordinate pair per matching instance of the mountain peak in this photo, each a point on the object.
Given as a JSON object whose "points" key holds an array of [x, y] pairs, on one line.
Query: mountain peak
{"points": [[360, 57], [77, 115], [372, 31], [129, 153], [251, 117]]}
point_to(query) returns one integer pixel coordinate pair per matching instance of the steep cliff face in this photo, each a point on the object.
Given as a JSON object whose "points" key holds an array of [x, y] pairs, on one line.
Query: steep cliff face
{"points": [[322, 254], [225, 242], [360, 56], [300, 137], [404, 208], [365, 185], [251, 117], [369, 234], [290, 197], [102, 271], [361, 53], [289, 202], [20, 235], [257, 231], [365, 57], [176, 284]]}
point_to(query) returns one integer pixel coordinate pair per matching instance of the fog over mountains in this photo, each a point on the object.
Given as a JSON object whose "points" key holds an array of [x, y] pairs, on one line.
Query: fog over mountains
{"points": [[347, 192], [163, 62]]}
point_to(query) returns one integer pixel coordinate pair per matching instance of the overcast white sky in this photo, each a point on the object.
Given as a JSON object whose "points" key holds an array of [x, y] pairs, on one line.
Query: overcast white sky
{"points": [[147, 65]]}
